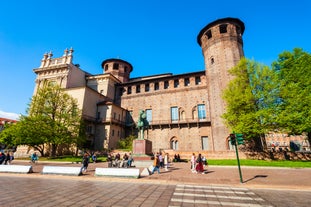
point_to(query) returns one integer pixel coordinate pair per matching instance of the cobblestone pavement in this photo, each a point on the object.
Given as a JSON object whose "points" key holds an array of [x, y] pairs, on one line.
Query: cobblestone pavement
{"points": [[219, 186], [24, 191]]}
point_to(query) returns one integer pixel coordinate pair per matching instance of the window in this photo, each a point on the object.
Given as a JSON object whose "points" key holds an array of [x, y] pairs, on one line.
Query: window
{"points": [[156, 86], [176, 83], [223, 28], [204, 143], [174, 143], [98, 116], [197, 80], [129, 90], [112, 134], [186, 82], [115, 66], [166, 84], [174, 113], [209, 34], [147, 87], [137, 88], [125, 69], [106, 67], [201, 111], [129, 119], [149, 115], [114, 115]]}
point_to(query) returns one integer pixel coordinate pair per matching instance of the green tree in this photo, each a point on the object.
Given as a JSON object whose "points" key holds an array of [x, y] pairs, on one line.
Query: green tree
{"points": [[294, 110], [250, 98], [54, 119]]}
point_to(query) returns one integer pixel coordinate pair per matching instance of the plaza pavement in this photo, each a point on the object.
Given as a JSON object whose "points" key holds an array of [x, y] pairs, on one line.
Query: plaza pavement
{"points": [[180, 173]]}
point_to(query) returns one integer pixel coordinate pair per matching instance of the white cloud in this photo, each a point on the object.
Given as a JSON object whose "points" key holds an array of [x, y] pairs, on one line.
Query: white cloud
{"points": [[9, 115]]}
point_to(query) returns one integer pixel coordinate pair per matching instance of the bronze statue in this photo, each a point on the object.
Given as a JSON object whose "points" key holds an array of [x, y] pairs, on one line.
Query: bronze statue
{"points": [[142, 124]]}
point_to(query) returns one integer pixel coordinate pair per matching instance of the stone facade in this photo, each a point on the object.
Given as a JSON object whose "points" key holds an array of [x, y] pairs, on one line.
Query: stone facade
{"points": [[184, 110]]}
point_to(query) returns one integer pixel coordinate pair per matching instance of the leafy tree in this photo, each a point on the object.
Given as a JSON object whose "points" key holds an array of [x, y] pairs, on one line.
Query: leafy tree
{"points": [[294, 111], [126, 143], [250, 99], [54, 119]]}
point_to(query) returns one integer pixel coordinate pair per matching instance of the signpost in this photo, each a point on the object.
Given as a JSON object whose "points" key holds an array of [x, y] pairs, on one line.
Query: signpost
{"points": [[237, 139]]}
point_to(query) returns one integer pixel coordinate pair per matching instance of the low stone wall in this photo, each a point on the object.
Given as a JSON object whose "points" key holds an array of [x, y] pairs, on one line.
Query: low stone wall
{"points": [[284, 155]]}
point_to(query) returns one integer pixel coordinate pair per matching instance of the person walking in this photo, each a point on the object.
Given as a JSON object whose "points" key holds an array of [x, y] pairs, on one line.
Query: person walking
{"points": [[85, 162], [193, 162], [199, 167], [156, 164], [166, 161]]}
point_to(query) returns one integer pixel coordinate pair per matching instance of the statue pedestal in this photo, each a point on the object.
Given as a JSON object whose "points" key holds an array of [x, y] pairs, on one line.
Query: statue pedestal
{"points": [[142, 147]]}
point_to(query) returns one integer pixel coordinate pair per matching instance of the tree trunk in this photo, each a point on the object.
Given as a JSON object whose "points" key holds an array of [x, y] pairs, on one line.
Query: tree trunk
{"points": [[53, 150]]}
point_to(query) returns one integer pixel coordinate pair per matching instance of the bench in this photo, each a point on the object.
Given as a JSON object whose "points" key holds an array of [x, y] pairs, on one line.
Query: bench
{"points": [[56, 170], [118, 172], [16, 169]]}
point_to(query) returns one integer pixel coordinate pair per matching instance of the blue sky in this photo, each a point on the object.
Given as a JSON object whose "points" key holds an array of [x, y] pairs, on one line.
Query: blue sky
{"points": [[154, 36]]}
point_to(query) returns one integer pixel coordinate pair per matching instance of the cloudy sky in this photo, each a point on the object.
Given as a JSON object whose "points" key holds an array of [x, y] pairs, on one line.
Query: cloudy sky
{"points": [[154, 36]]}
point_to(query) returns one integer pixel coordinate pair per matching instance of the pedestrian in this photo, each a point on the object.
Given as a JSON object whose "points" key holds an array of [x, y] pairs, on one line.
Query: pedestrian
{"points": [[85, 162], [193, 162], [161, 160], [130, 160], [166, 161], [2, 157], [199, 165], [9, 157], [94, 157], [156, 164], [34, 157]]}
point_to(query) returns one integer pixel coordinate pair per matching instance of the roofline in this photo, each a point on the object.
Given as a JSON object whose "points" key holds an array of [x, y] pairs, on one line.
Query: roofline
{"points": [[116, 60], [219, 21]]}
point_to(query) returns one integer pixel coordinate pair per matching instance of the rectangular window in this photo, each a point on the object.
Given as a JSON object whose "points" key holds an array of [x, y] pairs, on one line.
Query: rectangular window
{"points": [[187, 81], [204, 143], [121, 91], [147, 87], [156, 86], [209, 34], [115, 66], [137, 88], [201, 111], [174, 113], [149, 115], [166, 84], [129, 90], [197, 80], [129, 119], [112, 134], [176, 83], [223, 28]]}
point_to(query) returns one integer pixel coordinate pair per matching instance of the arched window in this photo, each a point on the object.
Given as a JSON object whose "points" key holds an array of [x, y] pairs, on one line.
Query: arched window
{"points": [[174, 143]]}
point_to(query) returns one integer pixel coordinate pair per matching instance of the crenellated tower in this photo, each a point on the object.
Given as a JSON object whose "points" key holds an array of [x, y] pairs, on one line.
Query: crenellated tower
{"points": [[222, 48], [118, 68]]}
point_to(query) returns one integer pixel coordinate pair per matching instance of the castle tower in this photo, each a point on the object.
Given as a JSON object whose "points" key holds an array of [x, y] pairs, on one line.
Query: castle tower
{"points": [[119, 68], [222, 48]]}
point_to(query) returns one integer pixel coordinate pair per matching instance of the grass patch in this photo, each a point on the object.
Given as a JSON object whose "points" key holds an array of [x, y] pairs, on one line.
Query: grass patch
{"points": [[263, 163]]}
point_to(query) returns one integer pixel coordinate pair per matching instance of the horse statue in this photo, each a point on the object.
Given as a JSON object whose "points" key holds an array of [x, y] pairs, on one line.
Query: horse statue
{"points": [[142, 123]]}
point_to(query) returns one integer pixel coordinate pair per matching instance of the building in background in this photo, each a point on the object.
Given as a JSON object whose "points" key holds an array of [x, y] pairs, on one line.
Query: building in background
{"points": [[184, 110]]}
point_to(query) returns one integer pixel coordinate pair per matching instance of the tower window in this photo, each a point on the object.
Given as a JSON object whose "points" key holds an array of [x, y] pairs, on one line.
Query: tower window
{"points": [[176, 83], [186, 81], [138, 89], [115, 66], [212, 60], [106, 67], [197, 80], [125, 69], [223, 28], [156, 86], [166, 84], [209, 34], [129, 90], [147, 87]]}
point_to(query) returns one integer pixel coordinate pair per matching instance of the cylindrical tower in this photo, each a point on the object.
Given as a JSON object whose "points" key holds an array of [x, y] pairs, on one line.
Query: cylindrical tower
{"points": [[119, 68], [222, 47]]}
